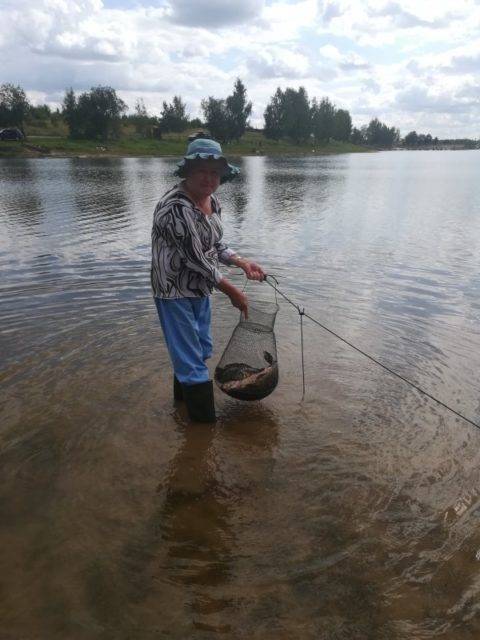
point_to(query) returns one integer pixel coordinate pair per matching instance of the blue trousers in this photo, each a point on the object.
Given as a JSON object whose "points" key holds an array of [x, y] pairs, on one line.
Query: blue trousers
{"points": [[186, 327]]}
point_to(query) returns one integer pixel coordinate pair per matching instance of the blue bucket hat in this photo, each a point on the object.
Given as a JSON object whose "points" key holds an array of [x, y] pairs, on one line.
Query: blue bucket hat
{"points": [[205, 149]]}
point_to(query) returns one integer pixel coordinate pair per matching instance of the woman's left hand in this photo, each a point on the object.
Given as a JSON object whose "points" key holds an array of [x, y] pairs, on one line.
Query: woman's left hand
{"points": [[253, 271]]}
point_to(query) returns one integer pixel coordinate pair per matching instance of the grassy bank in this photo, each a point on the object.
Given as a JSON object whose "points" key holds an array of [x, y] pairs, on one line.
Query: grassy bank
{"points": [[252, 143]]}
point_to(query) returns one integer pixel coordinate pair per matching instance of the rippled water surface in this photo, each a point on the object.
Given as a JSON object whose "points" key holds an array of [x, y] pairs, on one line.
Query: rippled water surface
{"points": [[351, 515]]}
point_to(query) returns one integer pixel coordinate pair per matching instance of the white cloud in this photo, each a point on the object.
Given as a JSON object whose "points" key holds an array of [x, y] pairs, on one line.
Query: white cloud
{"points": [[421, 99], [464, 63], [403, 19], [398, 60], [284, 21], [275, 62], [214, 13], [330, 9], [349, 61]]}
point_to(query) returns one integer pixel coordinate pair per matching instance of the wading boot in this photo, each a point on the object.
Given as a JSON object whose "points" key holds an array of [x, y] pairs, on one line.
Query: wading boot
{"points": [[177, 390], [200, 402]]}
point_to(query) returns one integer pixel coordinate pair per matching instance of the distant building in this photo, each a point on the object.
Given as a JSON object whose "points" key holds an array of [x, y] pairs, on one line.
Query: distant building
{"points": [[11, 133]]}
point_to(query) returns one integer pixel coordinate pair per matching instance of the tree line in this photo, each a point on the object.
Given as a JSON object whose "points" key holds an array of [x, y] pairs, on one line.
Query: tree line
{"points": [[290, 115]]}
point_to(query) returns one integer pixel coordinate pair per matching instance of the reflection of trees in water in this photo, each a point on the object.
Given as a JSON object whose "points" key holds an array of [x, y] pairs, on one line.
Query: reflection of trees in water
{"points": [[147, 180], [22, 201], [301, 187], [239, 193], [100, 191], [285, 188], [238, 197]]}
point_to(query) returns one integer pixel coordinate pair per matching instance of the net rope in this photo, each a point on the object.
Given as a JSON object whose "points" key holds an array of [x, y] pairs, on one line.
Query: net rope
{"points": [[272, 281]]}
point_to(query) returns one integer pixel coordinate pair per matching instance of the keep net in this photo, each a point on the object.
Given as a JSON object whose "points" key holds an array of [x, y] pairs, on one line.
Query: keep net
{"points": [[248, 368]]}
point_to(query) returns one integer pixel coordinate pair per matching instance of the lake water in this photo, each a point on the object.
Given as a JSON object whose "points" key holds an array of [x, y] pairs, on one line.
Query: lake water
{"points": [[351, 515]]}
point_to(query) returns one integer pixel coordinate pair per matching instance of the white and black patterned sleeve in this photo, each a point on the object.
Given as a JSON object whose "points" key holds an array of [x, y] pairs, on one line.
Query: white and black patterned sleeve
{"points": [[224, 253]]}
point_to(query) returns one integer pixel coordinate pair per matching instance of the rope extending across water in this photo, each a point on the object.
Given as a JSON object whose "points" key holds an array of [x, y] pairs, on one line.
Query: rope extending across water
{"points": [[302, 313]]}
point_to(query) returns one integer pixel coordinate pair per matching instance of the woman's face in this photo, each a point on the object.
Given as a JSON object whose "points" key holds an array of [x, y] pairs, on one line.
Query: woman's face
{"points": [[203, 178]]}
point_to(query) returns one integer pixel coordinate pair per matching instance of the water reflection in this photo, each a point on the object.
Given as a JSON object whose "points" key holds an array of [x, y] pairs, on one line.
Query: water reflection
{"points": [[187, 558], [196, 527], [353, 514], [285, 186], [100, 194], [21, 200]]}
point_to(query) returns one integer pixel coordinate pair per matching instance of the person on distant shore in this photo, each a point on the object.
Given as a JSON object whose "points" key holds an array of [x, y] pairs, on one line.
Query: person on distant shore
{"points": [[186, 250]]}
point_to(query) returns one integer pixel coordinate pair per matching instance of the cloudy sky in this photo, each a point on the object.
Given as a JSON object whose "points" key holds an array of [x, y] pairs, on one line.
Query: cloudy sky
{"points": [[414, 64]]}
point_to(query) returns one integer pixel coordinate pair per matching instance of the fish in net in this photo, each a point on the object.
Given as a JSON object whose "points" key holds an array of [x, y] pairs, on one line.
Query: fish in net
{"points": [[248, 368]]}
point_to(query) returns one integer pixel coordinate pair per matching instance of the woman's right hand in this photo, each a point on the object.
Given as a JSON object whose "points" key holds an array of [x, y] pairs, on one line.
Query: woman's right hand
{"points": [[237, 297], [240, 301]]}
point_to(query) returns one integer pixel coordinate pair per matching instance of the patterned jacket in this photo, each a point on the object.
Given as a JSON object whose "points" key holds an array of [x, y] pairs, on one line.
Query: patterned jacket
{"points": [[186, 247]]}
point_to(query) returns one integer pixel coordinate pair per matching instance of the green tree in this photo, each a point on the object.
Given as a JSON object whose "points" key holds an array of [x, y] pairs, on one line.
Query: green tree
{"points": [[70, 113], [40, 113], [357, 136], [216, 118], [56, 116], [14, 106], [95, 114], [288, 115], [227, 119], [411, 139], [296, 117], [238, 110], [323, 120], [100, 111], [393, 136], [342, 125], [379, 135], [141, 119], [174, 116], [273, 116]]}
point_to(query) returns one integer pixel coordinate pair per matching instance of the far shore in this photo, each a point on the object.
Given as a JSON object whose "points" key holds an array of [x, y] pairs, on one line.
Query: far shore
{"points": [[251, 144]]}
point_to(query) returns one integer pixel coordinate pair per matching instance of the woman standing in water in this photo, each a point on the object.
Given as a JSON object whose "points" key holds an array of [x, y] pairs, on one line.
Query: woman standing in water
{"points": [[186, 250]]}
